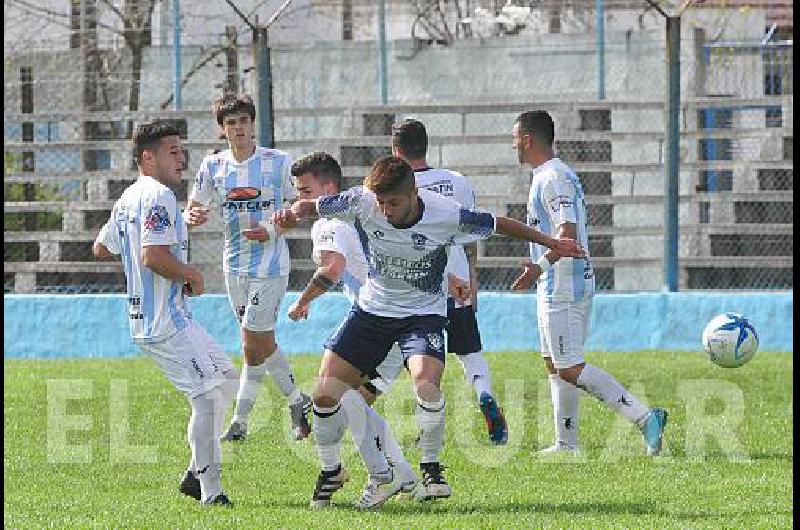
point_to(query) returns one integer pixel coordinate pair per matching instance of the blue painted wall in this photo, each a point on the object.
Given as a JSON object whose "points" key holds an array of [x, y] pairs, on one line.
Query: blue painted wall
{"points": [[45, 326]]}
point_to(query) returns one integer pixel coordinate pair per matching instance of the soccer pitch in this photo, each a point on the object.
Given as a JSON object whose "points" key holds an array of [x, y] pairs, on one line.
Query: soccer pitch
{"points": [[137, 451]]}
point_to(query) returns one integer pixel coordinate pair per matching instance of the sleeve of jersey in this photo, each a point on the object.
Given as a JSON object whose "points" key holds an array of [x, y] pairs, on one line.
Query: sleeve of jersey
{"points": [[467, 196], [108, 237], [202, 188], [289, 191], [157, 222], [473, 225], [558, 198], [344, 206], [328, 238]]}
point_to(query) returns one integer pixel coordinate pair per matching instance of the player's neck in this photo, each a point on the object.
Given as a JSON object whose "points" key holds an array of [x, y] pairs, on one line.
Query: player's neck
{"points": [[240, 154], [418, 163], [542, 158]]}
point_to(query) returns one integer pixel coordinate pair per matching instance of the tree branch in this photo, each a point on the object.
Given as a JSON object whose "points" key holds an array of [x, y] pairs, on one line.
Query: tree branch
{"points": [[114, 8], [196, 67], [50, 12]]}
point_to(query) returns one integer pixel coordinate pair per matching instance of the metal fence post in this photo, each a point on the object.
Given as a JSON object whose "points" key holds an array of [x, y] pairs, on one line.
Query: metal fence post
{"points": [[671, 170], [176, 53], [263, 87], [600, 36]]}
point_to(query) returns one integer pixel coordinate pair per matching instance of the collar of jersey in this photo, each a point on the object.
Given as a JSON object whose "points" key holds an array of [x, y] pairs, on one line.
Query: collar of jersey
{"points": [[228, 154], [545, 165]]}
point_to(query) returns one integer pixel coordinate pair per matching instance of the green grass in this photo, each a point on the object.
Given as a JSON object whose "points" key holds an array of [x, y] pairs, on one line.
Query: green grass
{"points": [[270, 478]]}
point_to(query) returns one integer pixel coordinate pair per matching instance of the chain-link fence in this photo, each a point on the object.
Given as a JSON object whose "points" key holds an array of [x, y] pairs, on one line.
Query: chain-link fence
{"points": [[68, 123]]}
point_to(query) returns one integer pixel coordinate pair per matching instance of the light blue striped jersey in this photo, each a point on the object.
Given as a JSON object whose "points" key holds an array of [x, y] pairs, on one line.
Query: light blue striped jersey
{"points": [[248, 193], [556, 197], [337, 236], [406, 265], [148, 214]]}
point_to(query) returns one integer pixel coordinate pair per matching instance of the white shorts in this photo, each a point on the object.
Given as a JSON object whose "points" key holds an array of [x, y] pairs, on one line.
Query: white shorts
{"points": [[562, 330], [256, 301], [389, 370], [192, 360]]}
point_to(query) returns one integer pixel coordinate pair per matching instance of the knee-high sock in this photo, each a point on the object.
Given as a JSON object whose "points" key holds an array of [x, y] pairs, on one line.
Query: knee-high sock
{"points": [[476, 372], [565, 399], [430, 420], [204, 440], [363, 431], [604, 387], [329, 426], [280, 371], [249, 386], [227, 391], [391, 450]]}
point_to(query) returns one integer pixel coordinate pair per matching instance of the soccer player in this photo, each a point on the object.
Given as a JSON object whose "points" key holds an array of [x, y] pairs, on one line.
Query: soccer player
{"points": [[249, 183], [410, 142], [564, 290], [147, 230], [339, 255], [406, 234]]}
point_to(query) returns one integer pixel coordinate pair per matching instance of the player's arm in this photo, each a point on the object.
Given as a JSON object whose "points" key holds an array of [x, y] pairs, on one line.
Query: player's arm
{"points": [[332, 264], [517, 230], [531, 271], [471, 250], [300, 209], [195, 214], [163, 262]]}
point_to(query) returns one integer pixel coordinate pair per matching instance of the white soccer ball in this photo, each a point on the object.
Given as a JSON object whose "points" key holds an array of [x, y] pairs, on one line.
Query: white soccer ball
{"points": [[730, 340]]}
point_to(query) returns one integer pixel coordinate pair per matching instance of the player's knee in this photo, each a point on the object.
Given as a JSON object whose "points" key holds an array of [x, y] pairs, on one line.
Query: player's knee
{"points": [[427, 391], [571, 373]]}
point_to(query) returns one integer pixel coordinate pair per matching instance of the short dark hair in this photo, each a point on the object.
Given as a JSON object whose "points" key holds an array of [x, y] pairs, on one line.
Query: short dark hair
{"points": [[148, 135], [411, 138], [538, 124], [320, 164], [231, 104], [390, 174]]}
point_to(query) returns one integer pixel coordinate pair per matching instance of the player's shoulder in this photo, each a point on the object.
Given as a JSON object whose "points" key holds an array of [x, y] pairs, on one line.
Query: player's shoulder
{"points": [[436, 201], [216, 158], [272, 153], [150, 188]]}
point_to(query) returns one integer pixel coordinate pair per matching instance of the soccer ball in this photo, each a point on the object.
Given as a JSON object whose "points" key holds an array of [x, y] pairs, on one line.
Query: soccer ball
{"points": [[730, 340]]}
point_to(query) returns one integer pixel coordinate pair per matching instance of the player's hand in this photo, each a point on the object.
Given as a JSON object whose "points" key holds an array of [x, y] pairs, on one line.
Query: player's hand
{"points": [[196, 215], [298, 312], [194, 285], [257, 233], [285, 218], [526, 280], [458, 288], [567, 248]]}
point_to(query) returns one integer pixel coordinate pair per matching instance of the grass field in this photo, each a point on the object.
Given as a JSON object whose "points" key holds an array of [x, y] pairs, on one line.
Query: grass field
{"points": [[743, 481]]}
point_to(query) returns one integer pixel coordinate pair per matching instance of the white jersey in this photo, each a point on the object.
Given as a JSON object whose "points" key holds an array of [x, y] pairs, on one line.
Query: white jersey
{"points": [[337, 236], [406, 265], [556, 197], [148, 214], [455, 186], [248, 193]]}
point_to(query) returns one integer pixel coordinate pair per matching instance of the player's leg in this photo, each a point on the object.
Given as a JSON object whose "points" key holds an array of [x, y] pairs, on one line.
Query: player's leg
{"points": [[423, 344], [564, 396], [464, 339], [260, 300], [605, 387]]}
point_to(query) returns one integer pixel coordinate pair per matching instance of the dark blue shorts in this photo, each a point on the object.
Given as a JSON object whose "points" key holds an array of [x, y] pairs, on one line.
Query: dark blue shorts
{"points": [[463, 336], [364, 339]]}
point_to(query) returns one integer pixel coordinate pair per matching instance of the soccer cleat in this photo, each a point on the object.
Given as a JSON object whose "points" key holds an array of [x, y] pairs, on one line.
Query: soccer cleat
{"points": [[433, 485], [495, 421], [190, 485], [408, 479], [379, 489], [236, 432], [328, 483], [653, 430], [220, 500], [560, 447], [299, 412]]}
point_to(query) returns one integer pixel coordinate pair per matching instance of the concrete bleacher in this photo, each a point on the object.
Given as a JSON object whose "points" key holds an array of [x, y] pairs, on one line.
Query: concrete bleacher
{"points": [[742, 229]]}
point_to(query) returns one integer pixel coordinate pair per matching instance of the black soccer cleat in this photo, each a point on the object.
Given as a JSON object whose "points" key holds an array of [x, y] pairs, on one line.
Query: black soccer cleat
{"points": [[328, 483], [219, 500], [433, 485], [190, 485], [237, 432]]}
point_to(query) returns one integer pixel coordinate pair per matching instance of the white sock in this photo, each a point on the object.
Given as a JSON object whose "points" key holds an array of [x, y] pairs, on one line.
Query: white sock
{"points": [[430, 419], [204, 440], [329, 426], [363, 431], [394, 455], [605, 388], [249, 386], [565, 410], [278, 368], [476, 372]]}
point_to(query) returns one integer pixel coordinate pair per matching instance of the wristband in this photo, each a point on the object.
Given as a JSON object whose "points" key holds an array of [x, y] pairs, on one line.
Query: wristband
{"points": [[544, 263]]}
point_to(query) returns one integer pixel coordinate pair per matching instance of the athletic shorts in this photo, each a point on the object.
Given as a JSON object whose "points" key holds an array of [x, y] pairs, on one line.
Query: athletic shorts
{"points": [[192, 360], [463, 336], [364, 339], [562, 330], [256, 301]]}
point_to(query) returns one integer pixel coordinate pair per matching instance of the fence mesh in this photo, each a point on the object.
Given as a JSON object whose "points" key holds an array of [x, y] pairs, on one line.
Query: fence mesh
{"points": [[69, 113]]}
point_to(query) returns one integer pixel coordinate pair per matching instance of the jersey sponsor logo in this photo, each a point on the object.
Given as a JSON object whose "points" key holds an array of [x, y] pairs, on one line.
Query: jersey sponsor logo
{"points": [[157, 219], [243, 194], [418, 241], [561, 201], [327, 236], [442, 187]]}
